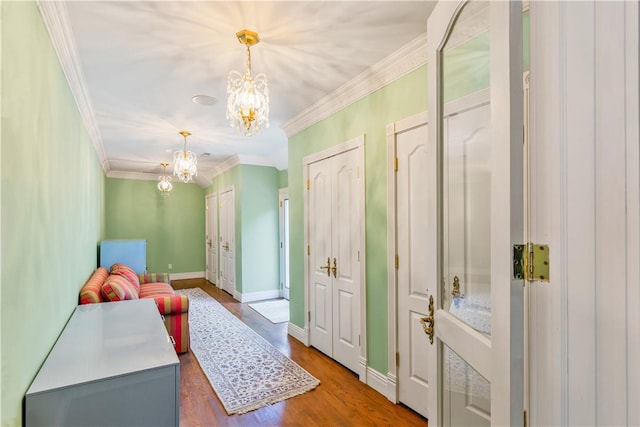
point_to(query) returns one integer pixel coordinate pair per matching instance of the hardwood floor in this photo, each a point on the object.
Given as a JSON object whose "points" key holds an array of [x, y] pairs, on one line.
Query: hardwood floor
{"points": [[340, 399]]}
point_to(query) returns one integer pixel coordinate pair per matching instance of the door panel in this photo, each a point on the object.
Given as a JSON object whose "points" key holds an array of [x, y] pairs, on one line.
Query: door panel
{"points": [[227, 241], [412, 293], [478, 169], [212, 238]]}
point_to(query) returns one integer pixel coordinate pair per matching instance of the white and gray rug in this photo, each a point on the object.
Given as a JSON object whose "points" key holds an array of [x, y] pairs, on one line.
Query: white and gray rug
{"points": [[277, 310], [244, 369]]}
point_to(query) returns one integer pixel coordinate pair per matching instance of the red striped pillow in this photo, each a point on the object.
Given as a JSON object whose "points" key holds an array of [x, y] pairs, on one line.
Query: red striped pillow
{"points": [[128, 273], [117, 288]]}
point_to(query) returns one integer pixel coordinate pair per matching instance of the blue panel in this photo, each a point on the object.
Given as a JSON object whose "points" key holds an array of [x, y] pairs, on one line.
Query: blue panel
{"points": [[130, 252]]}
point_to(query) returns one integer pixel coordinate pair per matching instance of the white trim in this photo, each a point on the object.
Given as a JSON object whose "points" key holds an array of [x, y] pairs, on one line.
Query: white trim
{"points": [[56, 19], [392, 387], [408, 58], [189, 275], [256, 296], [301, 334], [377, 381]]}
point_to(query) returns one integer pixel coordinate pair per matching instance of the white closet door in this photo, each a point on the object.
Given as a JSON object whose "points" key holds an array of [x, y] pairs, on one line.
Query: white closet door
{"points": [[227, 241]]}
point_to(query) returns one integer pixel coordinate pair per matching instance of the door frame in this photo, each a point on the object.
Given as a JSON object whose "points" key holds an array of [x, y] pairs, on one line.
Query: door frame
{"points": [[283, 194], [392, 392], [232, 244], [359, 144], [211, 229]]}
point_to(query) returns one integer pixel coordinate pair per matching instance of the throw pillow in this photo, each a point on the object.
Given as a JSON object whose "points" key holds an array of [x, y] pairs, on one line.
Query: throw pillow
{"points": [[118, 288], [128, 273]]}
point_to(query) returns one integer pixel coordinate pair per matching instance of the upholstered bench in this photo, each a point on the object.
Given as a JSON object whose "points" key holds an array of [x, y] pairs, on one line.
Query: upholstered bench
{"points": [[122, 283]]}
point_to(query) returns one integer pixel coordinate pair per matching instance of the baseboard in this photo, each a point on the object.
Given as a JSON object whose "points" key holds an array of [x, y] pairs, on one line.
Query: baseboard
{"points": [[298, 333], [377, 381], [191, 275], [392, 388], [256, 296]]}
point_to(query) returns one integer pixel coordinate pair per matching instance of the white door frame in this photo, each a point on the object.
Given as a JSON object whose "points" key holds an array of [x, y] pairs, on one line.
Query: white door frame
{"points": [[283, 194], [355, 143], [211, 241], [392, 247], [232, 241]]}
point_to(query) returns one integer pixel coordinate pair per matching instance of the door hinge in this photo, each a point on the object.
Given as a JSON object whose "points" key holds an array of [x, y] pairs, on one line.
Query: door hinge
{"points": [[280, 204], [395, 164], [397, 358], [308, 184], [531, 262], [309, 315], [397, 262], [308, 249], [524, 419]]}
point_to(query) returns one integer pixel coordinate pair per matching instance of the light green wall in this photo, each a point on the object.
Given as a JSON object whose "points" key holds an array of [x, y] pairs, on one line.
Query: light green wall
{"points": [[52, 190], [256, 221], [259, 223], [283, 178], [173, 225], [369, 116]]}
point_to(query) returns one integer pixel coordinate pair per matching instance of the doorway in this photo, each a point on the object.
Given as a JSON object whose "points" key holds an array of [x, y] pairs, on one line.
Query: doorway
{"points": [[227, 240], [334, 218]]}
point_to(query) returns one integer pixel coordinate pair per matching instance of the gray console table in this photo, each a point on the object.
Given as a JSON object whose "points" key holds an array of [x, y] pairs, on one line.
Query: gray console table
{"points": [[113, 365]]}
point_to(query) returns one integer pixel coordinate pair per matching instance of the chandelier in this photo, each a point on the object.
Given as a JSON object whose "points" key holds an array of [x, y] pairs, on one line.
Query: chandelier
{"points": [[165, 181], [248, 102], [184, 162]]}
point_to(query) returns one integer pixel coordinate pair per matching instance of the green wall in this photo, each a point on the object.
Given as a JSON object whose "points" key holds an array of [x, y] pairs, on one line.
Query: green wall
{"points": [[283, 178], [256, 221], [173, 225], [369, 116], [52, 189]]}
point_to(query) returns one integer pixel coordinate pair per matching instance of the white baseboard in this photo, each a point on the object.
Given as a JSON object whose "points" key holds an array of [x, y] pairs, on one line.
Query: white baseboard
{"points": [[377, 381], [301, 334], [256, 296], [392, 388], [191, 275]]}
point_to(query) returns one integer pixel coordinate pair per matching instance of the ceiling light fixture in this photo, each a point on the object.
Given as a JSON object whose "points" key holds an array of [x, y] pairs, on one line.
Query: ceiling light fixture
{"points": [[165, 180], [184, 162], [248, 102]]}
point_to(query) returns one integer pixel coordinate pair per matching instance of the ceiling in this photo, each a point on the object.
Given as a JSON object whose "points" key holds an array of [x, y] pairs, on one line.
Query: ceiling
{"points": [[140, 63]]}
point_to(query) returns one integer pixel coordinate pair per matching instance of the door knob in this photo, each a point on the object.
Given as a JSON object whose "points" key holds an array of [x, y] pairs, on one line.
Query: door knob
{"points": [[327, 267], [334, 269], [428, 322]]}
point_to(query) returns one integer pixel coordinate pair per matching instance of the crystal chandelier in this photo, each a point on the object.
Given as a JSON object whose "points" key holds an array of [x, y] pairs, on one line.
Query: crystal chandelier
{"points": [[184, 162], [165, 181], [248, 102]]}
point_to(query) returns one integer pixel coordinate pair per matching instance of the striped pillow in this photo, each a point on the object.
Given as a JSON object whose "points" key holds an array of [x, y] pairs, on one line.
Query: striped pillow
{"points": [[90, 292], [117, 288], [126, 272]]}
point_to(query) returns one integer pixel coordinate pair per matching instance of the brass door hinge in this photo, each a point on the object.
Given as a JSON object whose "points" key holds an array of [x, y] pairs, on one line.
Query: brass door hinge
{"points": [[531, 262], [309, 313], [308, 184], [308, 249], [397, 358], [397, 262], [395, 164]]}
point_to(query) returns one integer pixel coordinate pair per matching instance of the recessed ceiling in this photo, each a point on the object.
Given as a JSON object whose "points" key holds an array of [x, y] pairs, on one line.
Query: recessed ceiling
{"points": [[143, 63]]}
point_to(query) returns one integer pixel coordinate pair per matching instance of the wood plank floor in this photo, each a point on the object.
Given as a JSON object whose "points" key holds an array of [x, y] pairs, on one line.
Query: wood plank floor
{"points": [[340, 399]]}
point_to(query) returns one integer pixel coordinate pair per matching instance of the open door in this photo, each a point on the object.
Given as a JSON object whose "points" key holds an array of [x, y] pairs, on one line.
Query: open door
{"points": [[476, 307]]}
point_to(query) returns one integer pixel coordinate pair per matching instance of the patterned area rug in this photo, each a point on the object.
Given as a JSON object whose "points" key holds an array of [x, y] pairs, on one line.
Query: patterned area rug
{"points": [[277, 310], [244, 369]]}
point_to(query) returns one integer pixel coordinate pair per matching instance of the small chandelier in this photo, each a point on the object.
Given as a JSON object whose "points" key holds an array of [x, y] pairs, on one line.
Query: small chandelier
{"points": [[184, 162], [248, 102], [165, 180]]}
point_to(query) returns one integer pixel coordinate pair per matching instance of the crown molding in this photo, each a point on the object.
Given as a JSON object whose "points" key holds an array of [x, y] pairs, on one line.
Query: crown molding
{"points": [[141, 176], [56, 19], [408, 58]]}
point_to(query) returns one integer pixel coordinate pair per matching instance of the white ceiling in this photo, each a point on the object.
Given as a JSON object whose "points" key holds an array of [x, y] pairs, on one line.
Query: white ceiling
{"points": [[143, 61]]}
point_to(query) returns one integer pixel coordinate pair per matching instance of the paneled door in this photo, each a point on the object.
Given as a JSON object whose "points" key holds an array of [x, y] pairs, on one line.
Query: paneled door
{"points": [[411, 230], [476, 356], [227, 241], [211, 237], [334, 231]]}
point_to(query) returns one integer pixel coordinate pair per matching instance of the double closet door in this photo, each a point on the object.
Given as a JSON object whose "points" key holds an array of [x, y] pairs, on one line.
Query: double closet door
{"points": [[334, 228]]}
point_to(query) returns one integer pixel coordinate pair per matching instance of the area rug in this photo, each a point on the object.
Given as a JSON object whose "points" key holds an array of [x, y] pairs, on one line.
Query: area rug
{"points": [[244, 369], [277, 310]]}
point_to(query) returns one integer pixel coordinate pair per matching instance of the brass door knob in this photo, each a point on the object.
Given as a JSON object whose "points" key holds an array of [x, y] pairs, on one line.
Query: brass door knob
{"points": [[327, 267]]}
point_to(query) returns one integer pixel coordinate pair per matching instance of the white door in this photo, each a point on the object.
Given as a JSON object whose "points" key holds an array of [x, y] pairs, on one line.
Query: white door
{"points": [[212, 237], [476, 359], [227, 241], [283, 195], [411, 245], [334, 227]]}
